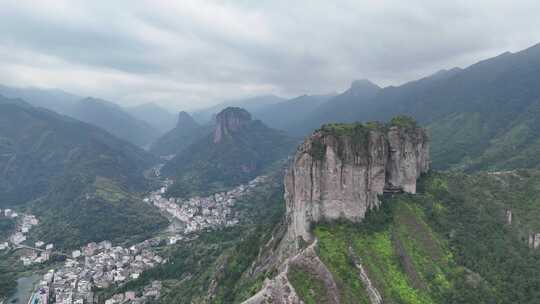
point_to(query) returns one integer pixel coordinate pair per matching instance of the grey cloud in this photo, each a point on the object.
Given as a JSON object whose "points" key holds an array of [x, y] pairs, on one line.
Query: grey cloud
{"points": [[191, 53]]}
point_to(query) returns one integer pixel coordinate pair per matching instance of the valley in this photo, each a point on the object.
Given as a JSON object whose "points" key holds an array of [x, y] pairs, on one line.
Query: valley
{"points": [[95, 267]]}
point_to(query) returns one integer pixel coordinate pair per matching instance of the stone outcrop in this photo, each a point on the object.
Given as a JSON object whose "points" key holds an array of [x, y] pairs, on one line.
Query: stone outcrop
{"points": [[279, 290], [534, 240], [373, 294], [229, 120], [340, 170], [508, 217]]}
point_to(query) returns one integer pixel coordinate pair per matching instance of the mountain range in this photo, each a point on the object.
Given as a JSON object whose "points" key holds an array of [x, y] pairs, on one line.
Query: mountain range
{"points": [[251, 104], [481, 117], [101, 113]]}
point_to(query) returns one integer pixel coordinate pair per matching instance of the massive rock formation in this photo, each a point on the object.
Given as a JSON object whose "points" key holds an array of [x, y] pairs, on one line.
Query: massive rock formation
{"points": [[340, 170], [229, 120], [339, 173]]}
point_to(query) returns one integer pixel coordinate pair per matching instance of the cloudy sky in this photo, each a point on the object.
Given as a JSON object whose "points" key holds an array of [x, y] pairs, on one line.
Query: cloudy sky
{"points": [[190, 54]]}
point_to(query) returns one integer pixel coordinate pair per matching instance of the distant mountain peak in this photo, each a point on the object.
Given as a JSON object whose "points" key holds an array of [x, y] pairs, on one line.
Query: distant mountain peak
{"points": [[102, 102], [185, 120], [445, 73], [229, 120], [363, 84], [363, 88]]}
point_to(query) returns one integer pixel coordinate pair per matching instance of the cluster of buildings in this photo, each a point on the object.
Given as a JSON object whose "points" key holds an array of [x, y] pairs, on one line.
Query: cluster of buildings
{"points": [[8, 213], [23, 227], [199, 213], [101, 265], [149, 292], [96, 265], [31, 255]]}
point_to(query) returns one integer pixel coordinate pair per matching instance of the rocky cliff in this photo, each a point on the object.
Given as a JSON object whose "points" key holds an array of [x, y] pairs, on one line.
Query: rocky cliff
{"points": [[230, 120], [339, 172], [341, 169]]}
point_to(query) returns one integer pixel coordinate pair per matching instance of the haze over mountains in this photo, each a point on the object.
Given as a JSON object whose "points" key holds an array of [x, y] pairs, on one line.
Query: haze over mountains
{"points": [[448, 102], [154, 115], [482, 116], [251, 104], [101, 113], [471, 112]]}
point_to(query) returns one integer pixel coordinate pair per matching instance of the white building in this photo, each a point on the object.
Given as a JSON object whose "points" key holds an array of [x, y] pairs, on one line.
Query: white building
{"points": [[18, 238]]}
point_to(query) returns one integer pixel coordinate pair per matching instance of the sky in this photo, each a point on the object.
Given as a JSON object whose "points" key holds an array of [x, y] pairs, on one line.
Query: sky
{"points": [[191, 54]]}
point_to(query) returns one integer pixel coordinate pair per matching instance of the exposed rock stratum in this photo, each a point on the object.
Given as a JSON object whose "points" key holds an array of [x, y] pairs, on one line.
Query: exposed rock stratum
{"points": [[338, 173]]}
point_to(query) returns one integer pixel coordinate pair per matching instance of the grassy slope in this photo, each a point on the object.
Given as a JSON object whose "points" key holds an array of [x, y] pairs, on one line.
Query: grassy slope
{"points": [[309, 287], [448, 244], [405, 259]]}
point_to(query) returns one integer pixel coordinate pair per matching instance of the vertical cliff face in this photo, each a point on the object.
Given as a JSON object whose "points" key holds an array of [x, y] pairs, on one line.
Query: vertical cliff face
{"points": [[340, 170], [229, 120]]}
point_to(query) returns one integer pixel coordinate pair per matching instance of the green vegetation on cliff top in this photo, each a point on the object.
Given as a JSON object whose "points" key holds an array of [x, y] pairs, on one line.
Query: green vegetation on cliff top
{"points": [[358, 134]]}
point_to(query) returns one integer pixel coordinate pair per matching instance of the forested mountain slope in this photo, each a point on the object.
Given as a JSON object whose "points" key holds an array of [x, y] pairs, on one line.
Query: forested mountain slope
{"points": [[76, 176], [186, 132], [238, 150], [113, 119], [286, 114], [100, 113], [480, 117]]}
